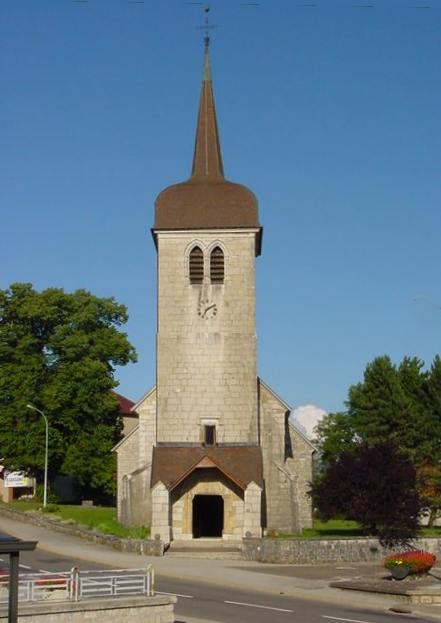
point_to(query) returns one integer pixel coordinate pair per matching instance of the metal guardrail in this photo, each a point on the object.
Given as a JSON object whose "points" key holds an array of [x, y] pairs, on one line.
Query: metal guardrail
{"points": [[77, 585]]}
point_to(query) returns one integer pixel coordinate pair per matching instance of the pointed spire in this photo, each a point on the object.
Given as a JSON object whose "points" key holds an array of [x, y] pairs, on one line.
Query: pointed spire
{"points": [[207, 157]]}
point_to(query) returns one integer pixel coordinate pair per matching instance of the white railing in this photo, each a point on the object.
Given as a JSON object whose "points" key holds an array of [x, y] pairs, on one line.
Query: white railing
{"points": [[76, 585]]}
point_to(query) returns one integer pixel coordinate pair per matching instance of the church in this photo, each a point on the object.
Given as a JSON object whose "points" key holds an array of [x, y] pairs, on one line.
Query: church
{"points": [[214, 454]]}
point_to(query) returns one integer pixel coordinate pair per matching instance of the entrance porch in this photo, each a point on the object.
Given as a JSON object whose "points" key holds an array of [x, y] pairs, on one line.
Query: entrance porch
{"points": [[206, 502]]}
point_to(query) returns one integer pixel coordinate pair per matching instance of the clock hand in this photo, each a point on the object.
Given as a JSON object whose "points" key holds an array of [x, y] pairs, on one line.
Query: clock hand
{"points": [[208, 308]]}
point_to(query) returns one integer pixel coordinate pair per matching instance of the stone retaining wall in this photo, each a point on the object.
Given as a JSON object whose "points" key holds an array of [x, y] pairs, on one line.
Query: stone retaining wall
{"points": [[316, 551], [157, 609], [147, 547]]}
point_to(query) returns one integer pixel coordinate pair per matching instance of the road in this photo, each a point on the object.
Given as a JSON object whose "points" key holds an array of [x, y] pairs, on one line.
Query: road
{"points": [[222, 604]]}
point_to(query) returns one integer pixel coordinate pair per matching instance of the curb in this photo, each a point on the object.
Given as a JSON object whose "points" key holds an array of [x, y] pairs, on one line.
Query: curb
{"points": [[146, 547]]}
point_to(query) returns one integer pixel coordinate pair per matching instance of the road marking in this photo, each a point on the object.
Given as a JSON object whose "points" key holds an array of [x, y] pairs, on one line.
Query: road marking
{"points": [[174, 594], [44, 571], [240, 603], [25, 566], [347, 620], [345, 567]]}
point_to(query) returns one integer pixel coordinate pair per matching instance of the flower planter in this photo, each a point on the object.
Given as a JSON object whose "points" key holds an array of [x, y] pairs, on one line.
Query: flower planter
{"points": [[414, 562], [399, 572]]}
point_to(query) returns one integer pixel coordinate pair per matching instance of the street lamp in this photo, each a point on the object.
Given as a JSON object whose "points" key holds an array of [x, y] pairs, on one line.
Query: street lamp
{"points": [[46, 452]]}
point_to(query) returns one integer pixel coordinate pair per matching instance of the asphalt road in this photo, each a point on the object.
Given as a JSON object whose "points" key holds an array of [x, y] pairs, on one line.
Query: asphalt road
{"points": [[226, 605]]}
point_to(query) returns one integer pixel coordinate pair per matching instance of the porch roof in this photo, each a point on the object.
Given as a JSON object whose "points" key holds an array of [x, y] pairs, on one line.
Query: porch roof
{"points": [[242, 465]]}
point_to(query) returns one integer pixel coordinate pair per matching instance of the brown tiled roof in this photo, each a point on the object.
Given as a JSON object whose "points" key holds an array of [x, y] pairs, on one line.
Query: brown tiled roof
{"points": [[203, 204], [207, 200], [242, 465], [125, 405]]}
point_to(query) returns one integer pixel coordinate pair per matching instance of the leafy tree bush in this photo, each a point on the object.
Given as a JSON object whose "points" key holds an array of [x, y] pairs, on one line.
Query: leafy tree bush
{"points": [[400, 404], [376, 486], [59, 351]]}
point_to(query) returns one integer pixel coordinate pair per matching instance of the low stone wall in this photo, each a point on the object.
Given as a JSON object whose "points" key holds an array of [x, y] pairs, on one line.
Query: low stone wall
{"points": [[159, 609], [146, 547], [316, 551]]}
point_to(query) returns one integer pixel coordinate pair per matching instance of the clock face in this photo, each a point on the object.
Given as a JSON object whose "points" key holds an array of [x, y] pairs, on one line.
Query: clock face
{"points": [[207, 309]]}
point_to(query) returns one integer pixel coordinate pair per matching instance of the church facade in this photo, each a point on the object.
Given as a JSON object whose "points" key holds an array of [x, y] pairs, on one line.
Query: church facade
{"points": [[214, 453]]}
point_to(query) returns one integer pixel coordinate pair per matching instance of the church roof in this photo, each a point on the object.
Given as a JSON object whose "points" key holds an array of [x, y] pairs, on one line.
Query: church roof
{"points": [[207, 200], [172, 464], [125, 404]]}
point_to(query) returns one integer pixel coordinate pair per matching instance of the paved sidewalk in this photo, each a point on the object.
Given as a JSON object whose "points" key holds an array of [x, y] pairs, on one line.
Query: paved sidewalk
{"points": [[302, 581]]}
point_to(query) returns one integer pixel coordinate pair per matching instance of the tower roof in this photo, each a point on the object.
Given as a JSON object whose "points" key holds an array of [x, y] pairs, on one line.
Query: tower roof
{"points": [[207, 157], [206, 200]]}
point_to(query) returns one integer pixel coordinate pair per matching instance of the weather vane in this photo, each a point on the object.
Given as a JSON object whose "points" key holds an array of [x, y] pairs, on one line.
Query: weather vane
{"points": [[207, 26]]}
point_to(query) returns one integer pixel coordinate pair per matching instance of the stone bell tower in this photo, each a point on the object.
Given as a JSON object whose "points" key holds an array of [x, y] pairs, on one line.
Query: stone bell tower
{"points": [[214, 454], [207, 235]]}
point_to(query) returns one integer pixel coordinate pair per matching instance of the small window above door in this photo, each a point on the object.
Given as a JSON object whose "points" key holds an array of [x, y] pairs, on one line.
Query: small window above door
{"points": [[209, 435]]}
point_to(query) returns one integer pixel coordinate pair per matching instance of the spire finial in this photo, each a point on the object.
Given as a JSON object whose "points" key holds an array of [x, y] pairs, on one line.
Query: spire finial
{"points": [[207, 158], [206, 27]]}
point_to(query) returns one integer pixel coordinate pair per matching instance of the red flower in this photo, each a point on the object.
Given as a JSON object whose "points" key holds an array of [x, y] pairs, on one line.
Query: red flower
{"points": [[418, 561]]}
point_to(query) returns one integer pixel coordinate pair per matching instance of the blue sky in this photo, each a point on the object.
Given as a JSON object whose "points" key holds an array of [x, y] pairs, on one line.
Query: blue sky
{"points": [[330, 114]]}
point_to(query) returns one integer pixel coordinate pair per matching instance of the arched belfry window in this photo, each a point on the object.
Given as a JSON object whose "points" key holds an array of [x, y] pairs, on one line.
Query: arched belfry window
{"points": [[196, 265], [217, 265]]}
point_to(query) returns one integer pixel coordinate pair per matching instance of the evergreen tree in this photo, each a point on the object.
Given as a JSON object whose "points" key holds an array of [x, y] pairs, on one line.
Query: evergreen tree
{"points": [[379, 407], [399, 404]]}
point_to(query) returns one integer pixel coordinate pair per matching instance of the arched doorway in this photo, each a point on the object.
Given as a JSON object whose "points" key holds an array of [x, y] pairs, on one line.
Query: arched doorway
{"points": [[208, 516]]}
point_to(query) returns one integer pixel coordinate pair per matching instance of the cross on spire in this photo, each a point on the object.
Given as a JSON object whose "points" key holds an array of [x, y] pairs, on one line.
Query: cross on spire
{"points": [[207, 26], [207, 157]]}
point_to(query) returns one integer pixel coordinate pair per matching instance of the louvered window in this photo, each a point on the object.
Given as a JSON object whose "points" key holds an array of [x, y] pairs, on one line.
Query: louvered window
{"points": [[196, 265], [217, 265]]}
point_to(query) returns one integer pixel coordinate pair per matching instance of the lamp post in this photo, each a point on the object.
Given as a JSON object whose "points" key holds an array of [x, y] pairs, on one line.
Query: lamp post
{"points": [[46, 452]]}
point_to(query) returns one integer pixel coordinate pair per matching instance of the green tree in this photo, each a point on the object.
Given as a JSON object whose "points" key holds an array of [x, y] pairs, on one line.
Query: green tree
{"points": [[59, 351], [400, 404], [430, 463], [379, 407], [334, 434], [376, 486]]}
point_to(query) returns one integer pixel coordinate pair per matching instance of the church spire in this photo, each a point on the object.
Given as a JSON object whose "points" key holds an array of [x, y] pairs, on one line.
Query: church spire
{"points": [[207, 157]]}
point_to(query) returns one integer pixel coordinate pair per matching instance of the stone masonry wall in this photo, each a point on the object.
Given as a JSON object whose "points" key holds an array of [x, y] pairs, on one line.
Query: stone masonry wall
{"points": [[157, 609], [127, 462], [279, 511], [206, 365], [252, 523], [310, 551], [134, 467], [301, 465], [147, 428], [139, 498], [161, 513], [287, 466], [145, 547]]}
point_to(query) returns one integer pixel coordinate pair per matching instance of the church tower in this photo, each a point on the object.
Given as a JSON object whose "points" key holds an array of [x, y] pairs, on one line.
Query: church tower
{"points": [[214, 454], [207, 234]]}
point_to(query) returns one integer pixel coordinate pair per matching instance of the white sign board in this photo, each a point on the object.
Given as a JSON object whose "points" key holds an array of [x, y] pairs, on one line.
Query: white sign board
{"points": [[18, 479]]}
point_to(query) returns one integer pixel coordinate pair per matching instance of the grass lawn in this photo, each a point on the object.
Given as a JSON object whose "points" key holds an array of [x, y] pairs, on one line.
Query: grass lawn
{"points": [[342, 528], [103, 519], [99, 518], [335, 528]]}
